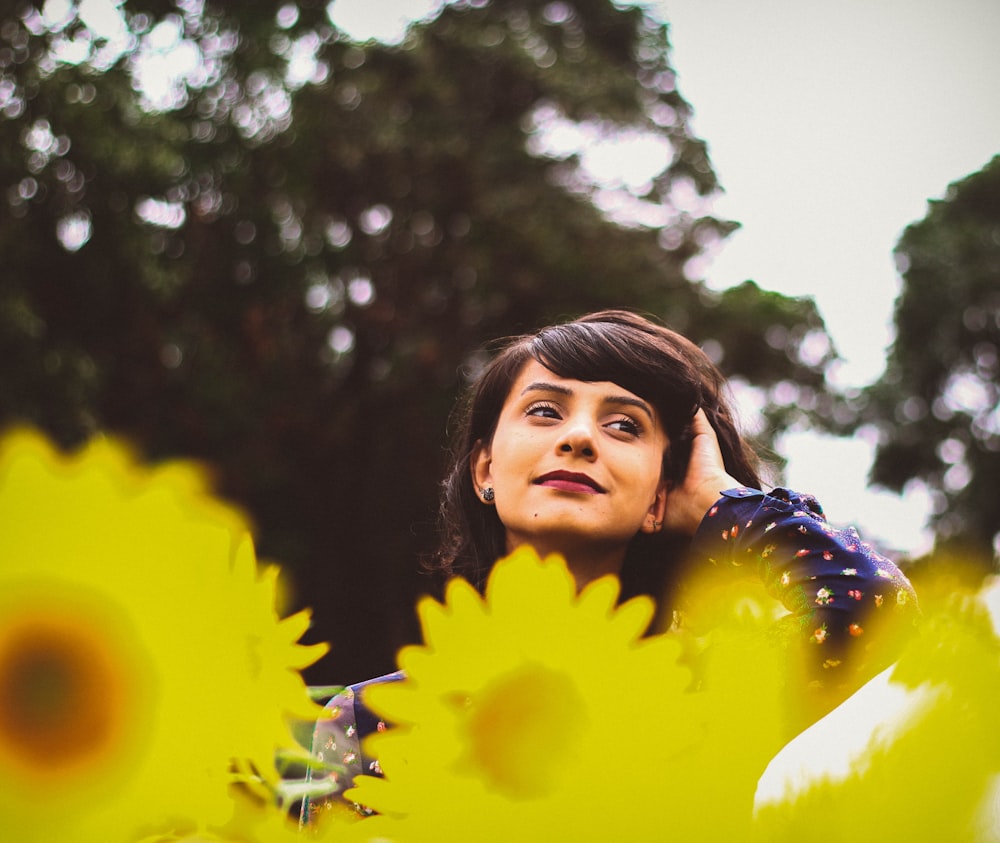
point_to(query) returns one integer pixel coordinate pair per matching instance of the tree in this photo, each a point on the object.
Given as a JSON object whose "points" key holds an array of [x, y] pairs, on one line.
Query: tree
{"points": [[937, 407], [282, 263]]}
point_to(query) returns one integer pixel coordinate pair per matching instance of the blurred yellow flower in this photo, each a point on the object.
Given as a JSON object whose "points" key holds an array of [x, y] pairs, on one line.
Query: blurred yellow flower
{"points": [[534, 713], [143, 667], [929, 768], [252, 822]]}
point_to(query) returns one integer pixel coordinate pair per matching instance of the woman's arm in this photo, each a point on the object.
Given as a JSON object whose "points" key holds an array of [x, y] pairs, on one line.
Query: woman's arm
{"points": [[850, 607], [337, 740], [847, 601]]}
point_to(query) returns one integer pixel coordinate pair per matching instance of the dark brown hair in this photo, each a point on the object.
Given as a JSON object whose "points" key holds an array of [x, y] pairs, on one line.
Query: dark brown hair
{"points": [[618, 346]]}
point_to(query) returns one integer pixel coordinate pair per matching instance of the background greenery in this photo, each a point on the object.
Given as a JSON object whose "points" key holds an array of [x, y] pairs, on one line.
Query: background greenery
{"points": [[937, 406], [291, 274]]}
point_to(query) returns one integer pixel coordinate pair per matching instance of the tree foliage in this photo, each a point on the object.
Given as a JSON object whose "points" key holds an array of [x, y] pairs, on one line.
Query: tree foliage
{"points": [[232, 233], [937, 407]]}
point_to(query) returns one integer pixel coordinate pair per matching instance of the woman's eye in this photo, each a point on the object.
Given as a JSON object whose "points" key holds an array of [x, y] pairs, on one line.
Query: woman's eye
{"points": [[545, 411], [626, 425]]}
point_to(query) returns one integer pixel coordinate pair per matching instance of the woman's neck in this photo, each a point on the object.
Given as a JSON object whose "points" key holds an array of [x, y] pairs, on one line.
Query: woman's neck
{"points": [[587, 562]]}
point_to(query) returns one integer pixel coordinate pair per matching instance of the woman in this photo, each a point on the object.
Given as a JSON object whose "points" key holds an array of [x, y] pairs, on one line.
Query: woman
{"points": [[609, 440]]}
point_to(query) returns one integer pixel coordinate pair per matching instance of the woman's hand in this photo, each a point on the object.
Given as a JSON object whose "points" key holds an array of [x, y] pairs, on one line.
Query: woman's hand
{"points": [[706, 477]]}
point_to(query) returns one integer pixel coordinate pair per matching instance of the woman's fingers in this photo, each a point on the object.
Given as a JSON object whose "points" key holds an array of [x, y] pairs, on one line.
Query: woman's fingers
{"points": [[706, 477], [704, 445]]}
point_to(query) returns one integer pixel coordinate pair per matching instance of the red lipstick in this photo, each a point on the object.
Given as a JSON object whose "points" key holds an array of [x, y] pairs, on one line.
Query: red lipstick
{"points": [[570, 481]]}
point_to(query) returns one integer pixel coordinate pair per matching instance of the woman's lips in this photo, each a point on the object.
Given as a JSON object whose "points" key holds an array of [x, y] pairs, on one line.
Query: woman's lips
{"points": [[570, 481]]}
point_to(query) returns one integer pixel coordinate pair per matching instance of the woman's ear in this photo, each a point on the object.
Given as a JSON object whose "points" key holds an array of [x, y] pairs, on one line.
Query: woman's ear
{"points": [[480, 464], [653, 522]]}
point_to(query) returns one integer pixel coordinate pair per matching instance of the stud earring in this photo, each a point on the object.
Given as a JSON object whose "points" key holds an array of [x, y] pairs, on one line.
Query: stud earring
{"points": [[488, 494], [657, 524]]}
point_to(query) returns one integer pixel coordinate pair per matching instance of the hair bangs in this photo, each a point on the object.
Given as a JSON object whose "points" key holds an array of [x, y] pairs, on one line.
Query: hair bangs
{"points": [[607, 351]]}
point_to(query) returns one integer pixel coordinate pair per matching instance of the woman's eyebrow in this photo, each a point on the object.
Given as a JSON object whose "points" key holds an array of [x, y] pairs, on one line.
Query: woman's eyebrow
{"points": [[629, 401], [559, 389], [542, 386]]}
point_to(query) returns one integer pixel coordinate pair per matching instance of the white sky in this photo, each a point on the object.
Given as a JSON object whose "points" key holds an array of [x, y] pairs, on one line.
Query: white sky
{"points": [[830, 126]]}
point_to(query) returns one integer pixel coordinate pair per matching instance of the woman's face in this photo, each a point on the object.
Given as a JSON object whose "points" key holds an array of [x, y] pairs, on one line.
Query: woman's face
{"points": [[573, 463]]}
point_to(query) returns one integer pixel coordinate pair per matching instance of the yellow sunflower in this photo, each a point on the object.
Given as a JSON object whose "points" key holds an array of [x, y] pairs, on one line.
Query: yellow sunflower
{"points": [[534, 713], [143, 667], [927, 766]]}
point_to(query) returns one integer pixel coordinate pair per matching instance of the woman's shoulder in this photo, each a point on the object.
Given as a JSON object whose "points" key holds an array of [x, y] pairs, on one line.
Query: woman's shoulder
{"points": [[349, 711], [358, 687], [338, 743]]}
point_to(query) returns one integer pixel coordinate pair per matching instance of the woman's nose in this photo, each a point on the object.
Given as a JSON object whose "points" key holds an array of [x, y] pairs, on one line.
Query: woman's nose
{"points": [[579, 439]]}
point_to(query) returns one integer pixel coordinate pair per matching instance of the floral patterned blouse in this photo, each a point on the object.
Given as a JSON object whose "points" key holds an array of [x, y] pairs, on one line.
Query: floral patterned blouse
{"points": [[842, 597]]}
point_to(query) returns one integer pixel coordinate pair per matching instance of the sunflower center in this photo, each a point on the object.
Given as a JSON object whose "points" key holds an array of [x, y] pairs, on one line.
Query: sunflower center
{"points": [[525, 729], [61, 692]]}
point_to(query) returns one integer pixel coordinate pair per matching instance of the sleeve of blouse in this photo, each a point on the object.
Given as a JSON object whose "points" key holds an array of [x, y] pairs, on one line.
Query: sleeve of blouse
{"points": [[850, 606], [338, 739], [335, 741]]}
